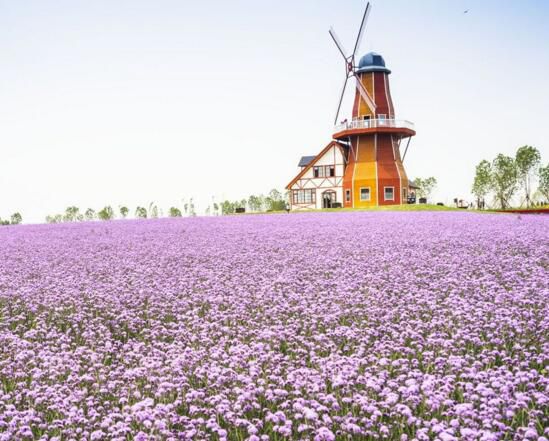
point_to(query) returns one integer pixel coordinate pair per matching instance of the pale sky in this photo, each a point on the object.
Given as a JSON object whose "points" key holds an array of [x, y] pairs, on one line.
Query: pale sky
{"points": [[128, 102]]}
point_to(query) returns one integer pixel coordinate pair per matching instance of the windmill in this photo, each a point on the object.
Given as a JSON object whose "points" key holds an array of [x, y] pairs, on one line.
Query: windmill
{"points": [[363, 165], [350, 66]]}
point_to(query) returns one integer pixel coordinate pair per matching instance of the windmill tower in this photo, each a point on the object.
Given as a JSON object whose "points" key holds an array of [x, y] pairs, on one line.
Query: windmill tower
{"points": [[374, 172]]}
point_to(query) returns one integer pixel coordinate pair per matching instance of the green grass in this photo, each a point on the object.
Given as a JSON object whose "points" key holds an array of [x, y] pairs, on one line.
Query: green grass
{"points": [[405, 207]]}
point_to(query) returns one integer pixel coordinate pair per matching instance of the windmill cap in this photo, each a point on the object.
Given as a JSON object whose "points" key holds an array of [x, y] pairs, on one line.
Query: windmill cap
{"points": [[372, 62]]}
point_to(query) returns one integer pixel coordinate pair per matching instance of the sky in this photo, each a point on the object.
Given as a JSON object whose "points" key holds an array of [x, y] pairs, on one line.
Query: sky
{"points": [[130, 102]]}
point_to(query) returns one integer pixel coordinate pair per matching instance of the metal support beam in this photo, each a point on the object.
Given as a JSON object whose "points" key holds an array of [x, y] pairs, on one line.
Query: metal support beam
{"points": [[405, 151]]}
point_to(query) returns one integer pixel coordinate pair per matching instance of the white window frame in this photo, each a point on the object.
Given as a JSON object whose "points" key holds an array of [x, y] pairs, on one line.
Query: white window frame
{"points": [[385, 194], [369, 194]]}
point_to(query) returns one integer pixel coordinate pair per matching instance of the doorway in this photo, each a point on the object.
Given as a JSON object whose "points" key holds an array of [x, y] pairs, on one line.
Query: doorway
{"points": [[328, 199]]}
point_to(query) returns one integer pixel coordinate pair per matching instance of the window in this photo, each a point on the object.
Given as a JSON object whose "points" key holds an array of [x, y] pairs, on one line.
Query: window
{"points": [[365, 194], [307, 196], [382, 116], [389, 193], [347, 195], [322, 171]]}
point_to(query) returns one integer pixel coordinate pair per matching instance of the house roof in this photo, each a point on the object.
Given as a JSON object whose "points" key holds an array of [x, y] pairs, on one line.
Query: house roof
{"points": [[311, 163], [413, 185], [305, 160]]}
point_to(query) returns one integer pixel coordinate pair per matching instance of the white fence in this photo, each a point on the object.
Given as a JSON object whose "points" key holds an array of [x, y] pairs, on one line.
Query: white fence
{"points": [[374, 123]]}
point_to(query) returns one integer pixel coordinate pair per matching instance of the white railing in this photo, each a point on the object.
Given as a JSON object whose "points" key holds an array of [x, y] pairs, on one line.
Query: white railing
{"points": [[374, 123]]}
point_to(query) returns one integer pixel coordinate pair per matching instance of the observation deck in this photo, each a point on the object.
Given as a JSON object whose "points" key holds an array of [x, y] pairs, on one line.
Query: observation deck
{"points": [[399, 127]]}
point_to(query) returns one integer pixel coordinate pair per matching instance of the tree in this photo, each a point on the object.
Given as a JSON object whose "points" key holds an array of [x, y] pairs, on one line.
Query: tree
{"points": [[89, 214], [4, 222], [71, 214], [124, 211], [216, 208], [107, 213], [425, 186], [16, 218], [482, 182], [175, 212], [141, 212], [504, 179], [255, 202], [275, 201], [55, 219], [227, 207], [543, 186], [153, 210], [527, 159], [192, 212]]}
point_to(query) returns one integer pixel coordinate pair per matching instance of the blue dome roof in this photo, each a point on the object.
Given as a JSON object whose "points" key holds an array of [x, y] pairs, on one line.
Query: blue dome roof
{"points": [[372, 62]]}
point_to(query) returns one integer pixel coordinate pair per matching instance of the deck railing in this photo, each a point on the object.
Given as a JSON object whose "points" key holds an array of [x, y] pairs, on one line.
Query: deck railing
{"points": [[374, 123]]}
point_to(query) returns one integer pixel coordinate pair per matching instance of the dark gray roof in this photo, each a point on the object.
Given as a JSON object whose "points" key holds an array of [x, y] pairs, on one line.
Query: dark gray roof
{"points": [[412, 184], [305, 161], [372, 62]]}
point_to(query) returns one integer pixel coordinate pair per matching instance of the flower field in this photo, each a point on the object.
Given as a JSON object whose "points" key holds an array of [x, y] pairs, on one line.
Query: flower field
{"points": [[317, 326]]}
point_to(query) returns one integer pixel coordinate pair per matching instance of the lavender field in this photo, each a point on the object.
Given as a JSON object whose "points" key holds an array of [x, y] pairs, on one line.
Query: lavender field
{"points": [[319, 326]]}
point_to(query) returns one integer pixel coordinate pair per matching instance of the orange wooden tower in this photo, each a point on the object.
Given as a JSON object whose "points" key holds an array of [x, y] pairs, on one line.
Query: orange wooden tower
{"points": [[374, 174]]}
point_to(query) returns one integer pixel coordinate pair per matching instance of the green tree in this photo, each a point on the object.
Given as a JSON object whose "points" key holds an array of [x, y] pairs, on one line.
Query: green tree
{"points": [[504, 179], [54, 219], [482, 182], [216, 208], [153, 210], [527, 159], [71, 214], [124, 211], [425, 186], [543, 186], [192, 211], [16, 218], [227, 207], [275, 201], [89, 214], [107, 213], [255, 202], [141, 212], [4, 222], [175, 212]]}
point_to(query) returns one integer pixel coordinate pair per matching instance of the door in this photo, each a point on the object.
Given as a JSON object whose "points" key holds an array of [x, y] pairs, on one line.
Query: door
{"points": [[328, 199]]}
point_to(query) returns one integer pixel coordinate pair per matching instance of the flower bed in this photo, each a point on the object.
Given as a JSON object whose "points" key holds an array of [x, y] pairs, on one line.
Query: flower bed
{"points": [[314, 326]]}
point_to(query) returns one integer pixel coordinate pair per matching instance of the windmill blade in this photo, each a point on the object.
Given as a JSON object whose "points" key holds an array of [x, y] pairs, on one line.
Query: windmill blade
{"points": [[341, 99], [362, 27], [365, 96], [337, 42]]}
